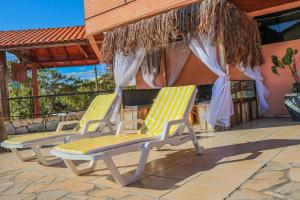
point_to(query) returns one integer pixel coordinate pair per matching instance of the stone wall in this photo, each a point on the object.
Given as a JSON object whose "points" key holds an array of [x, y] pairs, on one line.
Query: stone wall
{"points": [[24, 126]]}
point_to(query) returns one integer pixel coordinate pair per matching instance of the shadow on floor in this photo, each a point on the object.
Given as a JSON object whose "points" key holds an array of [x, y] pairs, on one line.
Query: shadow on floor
{"points": [[209, 160]]}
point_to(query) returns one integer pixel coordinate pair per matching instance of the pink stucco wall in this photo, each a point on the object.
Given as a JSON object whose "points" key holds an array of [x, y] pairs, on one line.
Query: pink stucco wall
{"points": [[195, 72], [278, 85]]}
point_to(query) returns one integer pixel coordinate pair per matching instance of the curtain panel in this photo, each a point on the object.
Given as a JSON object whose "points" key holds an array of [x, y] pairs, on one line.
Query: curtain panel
{"points": [[125, 68], [261, 90], [220, 108]]}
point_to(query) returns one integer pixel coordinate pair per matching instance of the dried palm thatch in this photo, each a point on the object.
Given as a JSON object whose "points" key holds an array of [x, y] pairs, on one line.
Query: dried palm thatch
{"points": [[223, 22]]}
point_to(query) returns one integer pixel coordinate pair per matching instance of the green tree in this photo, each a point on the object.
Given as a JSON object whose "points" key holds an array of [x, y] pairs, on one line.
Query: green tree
{"points": [[51, 85]]}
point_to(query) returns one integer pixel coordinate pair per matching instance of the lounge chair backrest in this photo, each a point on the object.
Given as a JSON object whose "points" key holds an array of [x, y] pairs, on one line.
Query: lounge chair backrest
{"points": [[171, 103], [99, 109]]}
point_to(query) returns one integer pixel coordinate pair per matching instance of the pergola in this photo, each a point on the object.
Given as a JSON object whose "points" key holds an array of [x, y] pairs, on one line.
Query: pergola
{"points": [[45, 48]]}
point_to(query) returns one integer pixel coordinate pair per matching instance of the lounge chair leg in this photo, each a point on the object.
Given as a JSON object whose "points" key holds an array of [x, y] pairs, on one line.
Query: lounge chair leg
{"points": [[199, 149], [143, 159], [23, 158], [114, 171], [70, 164], [42, 159]]}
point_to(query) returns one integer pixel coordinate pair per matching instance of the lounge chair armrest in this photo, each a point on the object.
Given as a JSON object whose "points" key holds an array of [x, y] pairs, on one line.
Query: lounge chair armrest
{"points": [[62, 124], [128, 122], [169, 124], [88, 123]]}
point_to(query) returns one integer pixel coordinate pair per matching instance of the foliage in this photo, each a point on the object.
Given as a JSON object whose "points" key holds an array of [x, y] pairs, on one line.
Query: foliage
{"points": [[289, 61], [52, 84]]}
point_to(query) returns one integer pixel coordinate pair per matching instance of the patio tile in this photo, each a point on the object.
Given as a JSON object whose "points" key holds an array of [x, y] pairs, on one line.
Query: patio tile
{"points": [[294, 174], [139, 197], [294, 195], [110, 193], [260, 185], [247, 194], [276, 166], [35, 188], [71, 186], [274, 194], [17, 188], [53, 195], [4, 186], [288, 188], [273, 175], [153, 186], [210, 186], [174, 173], [181, 172], [15, 197], [290, 154]]}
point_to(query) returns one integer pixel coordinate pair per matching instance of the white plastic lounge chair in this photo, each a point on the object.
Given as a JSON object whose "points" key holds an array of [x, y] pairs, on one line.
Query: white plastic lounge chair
{"points": [[164, 125], [93, 121]]}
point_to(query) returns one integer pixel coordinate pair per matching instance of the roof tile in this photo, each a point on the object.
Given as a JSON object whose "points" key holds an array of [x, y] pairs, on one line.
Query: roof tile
{"points": [[33, 37]]}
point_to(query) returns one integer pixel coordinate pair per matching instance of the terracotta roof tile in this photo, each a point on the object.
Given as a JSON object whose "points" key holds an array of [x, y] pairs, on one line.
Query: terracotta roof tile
{"points": [[32, 37]]}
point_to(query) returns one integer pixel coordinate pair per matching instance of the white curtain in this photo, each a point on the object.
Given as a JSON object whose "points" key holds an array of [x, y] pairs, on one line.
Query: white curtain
{"points": [[262, 91], [176, 57], [148, 77], [125, 68], [220, 108]]}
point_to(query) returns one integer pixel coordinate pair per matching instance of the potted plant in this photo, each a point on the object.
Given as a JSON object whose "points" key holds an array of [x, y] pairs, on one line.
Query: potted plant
{"points": [[292, 101]]}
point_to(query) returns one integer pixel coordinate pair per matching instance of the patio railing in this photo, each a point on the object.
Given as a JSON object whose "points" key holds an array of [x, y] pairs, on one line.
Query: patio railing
{"points": [[54, 104]]}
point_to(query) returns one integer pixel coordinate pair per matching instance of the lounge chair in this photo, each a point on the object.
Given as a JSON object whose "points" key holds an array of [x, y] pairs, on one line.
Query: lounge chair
{"points": [[95, 119], [164, 125]]}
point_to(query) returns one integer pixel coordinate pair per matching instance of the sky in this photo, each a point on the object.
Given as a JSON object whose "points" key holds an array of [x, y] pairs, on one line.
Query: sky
{"points": [[32, 14], [27, 14]]}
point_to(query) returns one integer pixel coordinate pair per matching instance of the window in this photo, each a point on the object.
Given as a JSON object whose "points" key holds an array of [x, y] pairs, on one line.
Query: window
{"points": [[279, 27]]}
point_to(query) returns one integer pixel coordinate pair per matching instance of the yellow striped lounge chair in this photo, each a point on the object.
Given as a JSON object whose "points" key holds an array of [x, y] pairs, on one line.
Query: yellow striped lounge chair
{"points": [[164, 124], [91, 124]]}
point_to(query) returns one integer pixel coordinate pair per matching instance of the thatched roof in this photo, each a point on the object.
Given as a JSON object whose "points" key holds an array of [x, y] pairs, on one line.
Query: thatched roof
{"points": [[222, 21]]}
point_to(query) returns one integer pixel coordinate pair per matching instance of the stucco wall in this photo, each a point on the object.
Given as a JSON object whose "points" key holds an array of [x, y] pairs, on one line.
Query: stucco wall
{"points": [[278, 85], [194, 72]]}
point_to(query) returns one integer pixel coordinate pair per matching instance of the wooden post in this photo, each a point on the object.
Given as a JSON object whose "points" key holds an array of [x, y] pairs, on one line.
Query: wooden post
{"points": [[96, 78], [35, 91], [3, 134], [4, 84]]}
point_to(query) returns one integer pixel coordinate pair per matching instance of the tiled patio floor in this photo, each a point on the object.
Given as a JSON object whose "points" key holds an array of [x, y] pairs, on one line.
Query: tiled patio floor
{"points": [[259, 160]]}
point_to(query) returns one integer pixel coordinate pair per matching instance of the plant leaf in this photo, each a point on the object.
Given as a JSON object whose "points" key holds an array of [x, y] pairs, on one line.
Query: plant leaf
{"points": [[274, 70], [275, 60], [287, 59], [290, 52]]}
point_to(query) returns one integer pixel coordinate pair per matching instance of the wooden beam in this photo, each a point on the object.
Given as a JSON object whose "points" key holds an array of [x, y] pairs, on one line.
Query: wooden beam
{"points": [[22, 56], [58, 61], [274, 9], [35, 91], [66, 52], [83, 51], [95, 47], [4, 84], [50, 53], [41, 46]]}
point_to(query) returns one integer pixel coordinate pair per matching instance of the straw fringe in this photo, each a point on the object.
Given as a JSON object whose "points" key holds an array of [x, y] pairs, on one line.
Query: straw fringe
{"points": [[222, 21]]}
